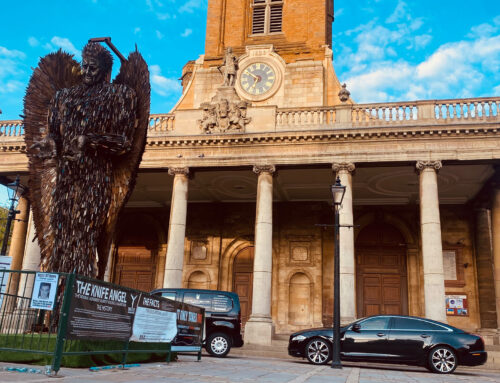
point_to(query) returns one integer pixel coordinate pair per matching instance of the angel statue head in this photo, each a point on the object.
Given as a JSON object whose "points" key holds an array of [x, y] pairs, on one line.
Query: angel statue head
{"points": [[96, 64]]}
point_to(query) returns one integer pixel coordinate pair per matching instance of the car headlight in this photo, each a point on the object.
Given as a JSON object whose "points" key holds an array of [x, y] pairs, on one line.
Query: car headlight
{"points": [[298, 338]]}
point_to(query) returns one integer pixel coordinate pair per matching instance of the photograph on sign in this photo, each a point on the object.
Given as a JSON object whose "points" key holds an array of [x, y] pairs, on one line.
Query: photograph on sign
{"points": [[44, 291]]}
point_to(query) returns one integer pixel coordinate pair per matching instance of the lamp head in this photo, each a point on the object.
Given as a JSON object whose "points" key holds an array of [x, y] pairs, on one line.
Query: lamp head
{"points": [[338, 191]]}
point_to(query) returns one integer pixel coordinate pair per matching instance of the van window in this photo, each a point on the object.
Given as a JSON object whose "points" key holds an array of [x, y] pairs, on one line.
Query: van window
{"points": [[169, 295], [210, 302], [199, 299]]}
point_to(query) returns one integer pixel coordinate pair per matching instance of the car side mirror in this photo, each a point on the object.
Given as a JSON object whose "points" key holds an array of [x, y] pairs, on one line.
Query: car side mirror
{"points": [[356, 327]]}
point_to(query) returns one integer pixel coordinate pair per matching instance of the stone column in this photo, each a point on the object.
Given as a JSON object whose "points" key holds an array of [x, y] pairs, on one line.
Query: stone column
{"points": [[31, 260], [176, 228], [346, 245], [108, 273], [258, 329], [485, 268], [432, 249], [495, 226], [18, 242]]}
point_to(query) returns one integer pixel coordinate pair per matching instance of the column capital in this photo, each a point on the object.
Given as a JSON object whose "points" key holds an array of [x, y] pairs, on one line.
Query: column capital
{"points": [[421, 165], [175, 171], [345, 166], [257, 169]]}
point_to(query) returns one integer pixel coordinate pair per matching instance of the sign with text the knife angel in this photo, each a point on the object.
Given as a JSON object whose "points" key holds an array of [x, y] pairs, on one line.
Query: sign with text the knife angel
{"points": [[85, 137]]}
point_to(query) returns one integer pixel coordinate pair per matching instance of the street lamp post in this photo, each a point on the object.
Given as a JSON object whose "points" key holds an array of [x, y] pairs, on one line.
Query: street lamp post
{"points": [[13, 189], [338, 192]]}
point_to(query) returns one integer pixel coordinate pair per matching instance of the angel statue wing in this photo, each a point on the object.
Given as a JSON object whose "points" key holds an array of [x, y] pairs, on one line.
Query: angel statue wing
{"points": [[54, 72], [134, 73]]}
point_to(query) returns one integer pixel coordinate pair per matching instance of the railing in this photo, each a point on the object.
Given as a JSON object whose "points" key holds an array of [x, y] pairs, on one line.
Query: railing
{"points": [[157, 123], [305, 116], [469, 109], [12, 128], [394, 113], [161, 123], [427, 112]]}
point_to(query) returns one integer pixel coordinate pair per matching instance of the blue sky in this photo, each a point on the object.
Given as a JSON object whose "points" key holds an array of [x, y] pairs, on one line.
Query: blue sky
{"points": [[385, 50]]}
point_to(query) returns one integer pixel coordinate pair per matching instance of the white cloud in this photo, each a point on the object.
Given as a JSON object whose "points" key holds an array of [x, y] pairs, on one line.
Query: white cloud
{"points": [[10, 86], [33, 42], [11, 53], [11, 63], [454, 70], [159, 35], [164, 86], [401, 12], [65, 44], [187, 32], [190, 5]]}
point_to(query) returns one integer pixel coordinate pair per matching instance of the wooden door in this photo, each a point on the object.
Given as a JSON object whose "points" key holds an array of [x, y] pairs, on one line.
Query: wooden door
{"points": [[243, 281], [381, 294], [135, 268], [381, 272]]}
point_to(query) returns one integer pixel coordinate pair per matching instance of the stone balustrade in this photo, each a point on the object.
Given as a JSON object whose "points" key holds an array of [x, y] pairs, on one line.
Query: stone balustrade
{"points": [[11, 129], [424, 113], [322, 116], [383, 114], [160, 123]]}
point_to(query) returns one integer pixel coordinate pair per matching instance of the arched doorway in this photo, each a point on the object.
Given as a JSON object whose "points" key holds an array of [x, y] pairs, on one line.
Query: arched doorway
{"points": [[243, 280], [381, 282], [136, 254]]}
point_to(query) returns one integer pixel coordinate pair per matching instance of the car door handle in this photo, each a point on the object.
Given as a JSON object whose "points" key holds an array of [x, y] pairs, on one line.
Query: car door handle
{"points": [[380, 334], [424, 336]]}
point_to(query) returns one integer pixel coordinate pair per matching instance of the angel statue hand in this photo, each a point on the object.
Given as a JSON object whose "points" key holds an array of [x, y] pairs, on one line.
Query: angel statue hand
{"points": [[46, 148]]}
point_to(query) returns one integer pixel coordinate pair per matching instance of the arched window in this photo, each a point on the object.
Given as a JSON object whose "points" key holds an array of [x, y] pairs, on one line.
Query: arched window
{"points": [[267, 16]]}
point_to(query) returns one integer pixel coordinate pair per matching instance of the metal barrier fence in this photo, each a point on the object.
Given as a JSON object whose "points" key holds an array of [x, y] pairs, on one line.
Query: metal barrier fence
{"points": [[44, 332]]}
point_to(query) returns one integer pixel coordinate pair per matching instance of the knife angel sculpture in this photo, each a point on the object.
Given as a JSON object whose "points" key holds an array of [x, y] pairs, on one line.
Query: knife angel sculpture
{"points": [[85, 138]]}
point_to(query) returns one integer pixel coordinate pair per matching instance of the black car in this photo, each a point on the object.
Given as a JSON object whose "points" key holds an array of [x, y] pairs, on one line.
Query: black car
{"points": [[394, 339], [222, 316]]}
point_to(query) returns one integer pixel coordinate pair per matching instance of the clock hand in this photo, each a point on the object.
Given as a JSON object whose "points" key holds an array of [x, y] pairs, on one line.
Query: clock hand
{"points": [[254, 76]]}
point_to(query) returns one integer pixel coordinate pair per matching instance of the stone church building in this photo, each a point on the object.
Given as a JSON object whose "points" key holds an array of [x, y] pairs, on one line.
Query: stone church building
{"points": [[234, 187]]}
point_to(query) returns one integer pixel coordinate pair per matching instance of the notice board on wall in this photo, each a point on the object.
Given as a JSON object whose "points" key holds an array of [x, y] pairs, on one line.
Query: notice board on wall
{"points": [[457, 304]]}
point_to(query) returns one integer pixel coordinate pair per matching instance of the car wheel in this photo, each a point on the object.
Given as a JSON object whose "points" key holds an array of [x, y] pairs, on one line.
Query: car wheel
{"points": [[318, 351], [218, 344], [442, 360]]}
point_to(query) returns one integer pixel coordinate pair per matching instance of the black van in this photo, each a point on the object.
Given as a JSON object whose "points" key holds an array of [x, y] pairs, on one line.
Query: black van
{"points": [[222, 316]]}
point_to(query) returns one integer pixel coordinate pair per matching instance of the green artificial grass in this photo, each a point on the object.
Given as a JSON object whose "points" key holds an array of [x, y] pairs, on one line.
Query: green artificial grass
{"points": [[45, 343]]}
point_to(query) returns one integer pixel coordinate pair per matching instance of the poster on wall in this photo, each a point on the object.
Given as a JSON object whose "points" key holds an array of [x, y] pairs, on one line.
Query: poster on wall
{"points": [[457, 305], [44, 291]]}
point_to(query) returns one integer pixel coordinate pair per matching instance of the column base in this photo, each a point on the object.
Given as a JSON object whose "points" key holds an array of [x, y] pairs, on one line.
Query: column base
{"points": [[259, 330], [346, 320]]}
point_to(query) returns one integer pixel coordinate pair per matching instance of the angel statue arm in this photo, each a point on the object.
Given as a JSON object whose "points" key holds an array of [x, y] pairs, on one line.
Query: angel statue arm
{"points": [[112, 143]]}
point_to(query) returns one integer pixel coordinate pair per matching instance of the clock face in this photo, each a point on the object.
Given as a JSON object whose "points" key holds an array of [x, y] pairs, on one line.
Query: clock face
{"points": [[257, 78]]}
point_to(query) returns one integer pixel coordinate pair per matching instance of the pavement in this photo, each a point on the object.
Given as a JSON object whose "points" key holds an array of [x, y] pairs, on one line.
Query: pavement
{"points": [[252, 370]]}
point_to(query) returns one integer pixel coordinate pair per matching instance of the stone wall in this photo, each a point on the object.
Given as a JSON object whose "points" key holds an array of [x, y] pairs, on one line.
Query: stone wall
{"points": [[302, 292]]}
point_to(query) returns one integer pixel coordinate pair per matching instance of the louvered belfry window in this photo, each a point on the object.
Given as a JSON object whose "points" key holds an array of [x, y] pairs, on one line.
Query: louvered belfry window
{"points": [[267, 16]]}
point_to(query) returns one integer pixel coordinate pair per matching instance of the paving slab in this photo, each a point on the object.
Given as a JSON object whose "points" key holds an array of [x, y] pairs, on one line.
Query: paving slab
{"points": [[252, 370]]}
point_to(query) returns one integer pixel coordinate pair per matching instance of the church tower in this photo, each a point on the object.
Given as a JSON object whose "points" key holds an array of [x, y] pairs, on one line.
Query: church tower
{"points": [[297, 29], [285, 44]]}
